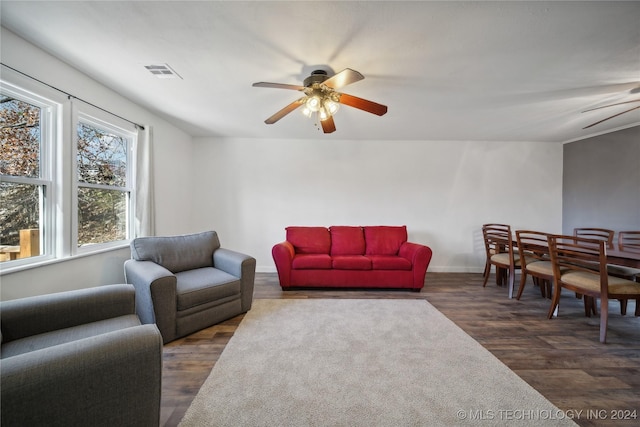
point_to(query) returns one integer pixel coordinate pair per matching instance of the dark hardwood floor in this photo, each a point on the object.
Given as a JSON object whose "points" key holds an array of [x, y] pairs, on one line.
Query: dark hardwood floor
{"points": [[562, 358]]}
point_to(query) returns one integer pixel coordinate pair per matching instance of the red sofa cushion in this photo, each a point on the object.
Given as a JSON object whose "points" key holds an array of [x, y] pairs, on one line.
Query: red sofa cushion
{"points": [[351, 262], [384, 239], [311, 262], [347, 240], [389, 262], [309, 240]]}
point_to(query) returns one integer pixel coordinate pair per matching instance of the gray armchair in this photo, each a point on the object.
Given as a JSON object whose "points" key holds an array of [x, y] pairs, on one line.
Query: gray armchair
{"points": [[187, 283], [79, 358]]}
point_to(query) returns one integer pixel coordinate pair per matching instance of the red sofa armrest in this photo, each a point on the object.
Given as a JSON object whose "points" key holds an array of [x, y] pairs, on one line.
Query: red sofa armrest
{"points": [[420, 257], [283, 254]]}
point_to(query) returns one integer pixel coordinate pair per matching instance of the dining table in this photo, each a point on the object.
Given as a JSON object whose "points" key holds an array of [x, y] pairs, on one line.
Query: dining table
{"points": [[627, 257]]}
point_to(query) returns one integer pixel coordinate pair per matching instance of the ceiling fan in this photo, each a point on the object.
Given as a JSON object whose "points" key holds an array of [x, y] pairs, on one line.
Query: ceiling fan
{"points": [[322, 98], [635, 90]]}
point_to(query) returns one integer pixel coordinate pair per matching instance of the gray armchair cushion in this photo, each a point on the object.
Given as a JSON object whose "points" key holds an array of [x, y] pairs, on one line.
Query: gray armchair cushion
{"points": [[177, 253], [203, 285]]}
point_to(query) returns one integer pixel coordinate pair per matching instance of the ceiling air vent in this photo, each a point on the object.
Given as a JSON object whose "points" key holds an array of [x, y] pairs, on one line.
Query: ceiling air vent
{"points": [[162, 71]]}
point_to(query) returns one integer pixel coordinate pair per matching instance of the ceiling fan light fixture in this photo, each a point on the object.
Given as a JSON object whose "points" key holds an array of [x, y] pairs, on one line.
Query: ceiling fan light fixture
{"points": [[314, 103], [307, 112], [331, 106], [323, 114]]}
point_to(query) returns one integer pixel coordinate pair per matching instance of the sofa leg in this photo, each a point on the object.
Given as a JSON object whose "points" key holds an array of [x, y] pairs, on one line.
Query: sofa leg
{"points": [[416, 290]]}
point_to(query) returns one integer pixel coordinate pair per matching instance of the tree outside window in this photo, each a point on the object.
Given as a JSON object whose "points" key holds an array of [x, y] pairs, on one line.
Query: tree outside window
{"points": [[102, 185], [21, 190]]}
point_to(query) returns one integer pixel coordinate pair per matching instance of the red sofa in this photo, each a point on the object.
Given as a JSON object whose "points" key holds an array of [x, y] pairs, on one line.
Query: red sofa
{"points": [[351, 257]]}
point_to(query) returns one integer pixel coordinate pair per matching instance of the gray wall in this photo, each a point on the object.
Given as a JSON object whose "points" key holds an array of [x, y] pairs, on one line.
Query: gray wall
{"points": [[601, 182]]}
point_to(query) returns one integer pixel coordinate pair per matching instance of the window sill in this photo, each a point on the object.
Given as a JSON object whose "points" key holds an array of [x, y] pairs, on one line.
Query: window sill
{"points": [[4, 270]]}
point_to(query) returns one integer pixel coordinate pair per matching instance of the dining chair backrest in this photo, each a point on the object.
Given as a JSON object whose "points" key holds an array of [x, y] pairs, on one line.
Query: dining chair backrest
{"points": [[629, 240], [497, 239], [535, 244], [596, 233], [572, 253], [499, 245]]}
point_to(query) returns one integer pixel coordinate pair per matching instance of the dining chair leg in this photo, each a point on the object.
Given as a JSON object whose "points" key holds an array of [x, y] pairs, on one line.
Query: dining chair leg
{"points": [[487, 269], [604, 317], [623, 307], [486, 276], [548, 288], [542, 285], [523, 280], [590, 306], [587, 306], [545, 287], [553, 310], [637, 313]]}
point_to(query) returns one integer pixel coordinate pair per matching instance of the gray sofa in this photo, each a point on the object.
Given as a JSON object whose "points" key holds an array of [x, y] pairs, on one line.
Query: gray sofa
{"points": [[186, 283], [79, 358]]}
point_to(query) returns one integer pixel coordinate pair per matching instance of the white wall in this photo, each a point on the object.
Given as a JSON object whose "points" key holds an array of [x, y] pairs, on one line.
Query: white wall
{"points": [[250, 190], [172, 157]]}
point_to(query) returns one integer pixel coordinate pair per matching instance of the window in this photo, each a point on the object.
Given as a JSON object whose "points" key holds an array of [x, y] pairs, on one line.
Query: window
{"points": [[26, 127], [66, 176], [103, 182]]}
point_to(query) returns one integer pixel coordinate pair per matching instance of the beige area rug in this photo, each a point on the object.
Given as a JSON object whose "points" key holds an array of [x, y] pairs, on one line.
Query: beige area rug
{"points": [[361, 362]]}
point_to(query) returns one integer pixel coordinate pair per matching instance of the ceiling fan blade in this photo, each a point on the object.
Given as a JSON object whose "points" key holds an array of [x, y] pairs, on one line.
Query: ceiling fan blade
{"points": [[611, 117], [343, 78], [611, 105], [328, 125], [278, 85], [286, 110], [363, 104]]}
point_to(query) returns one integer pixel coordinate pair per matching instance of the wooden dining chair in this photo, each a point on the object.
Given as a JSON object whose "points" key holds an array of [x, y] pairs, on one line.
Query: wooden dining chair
{"points": [[629, 241], [501, 253], [603, 234], [573, 260], [490, 250], [536, 262]]}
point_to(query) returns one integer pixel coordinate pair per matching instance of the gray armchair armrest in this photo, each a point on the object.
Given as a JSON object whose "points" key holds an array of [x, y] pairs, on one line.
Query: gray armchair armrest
{"points": [[39, 314], [121, 368], [239, 265], [153, 280]]}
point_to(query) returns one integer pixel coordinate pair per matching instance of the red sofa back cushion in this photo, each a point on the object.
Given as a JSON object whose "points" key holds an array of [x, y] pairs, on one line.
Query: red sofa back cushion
{"points": [[347, 240], [384, 239], [309, 240]]}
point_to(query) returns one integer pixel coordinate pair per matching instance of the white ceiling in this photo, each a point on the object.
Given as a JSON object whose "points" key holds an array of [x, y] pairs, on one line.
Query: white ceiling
{"points": [[492, 71]]}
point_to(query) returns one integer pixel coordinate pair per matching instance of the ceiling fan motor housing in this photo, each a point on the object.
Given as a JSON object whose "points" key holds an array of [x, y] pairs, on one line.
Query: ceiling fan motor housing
{"points": [[317, 76]]}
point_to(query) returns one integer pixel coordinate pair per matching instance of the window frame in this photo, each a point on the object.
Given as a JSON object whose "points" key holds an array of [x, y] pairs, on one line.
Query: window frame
{"points": [[59, 210], [98, 119], [49, 110]]}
